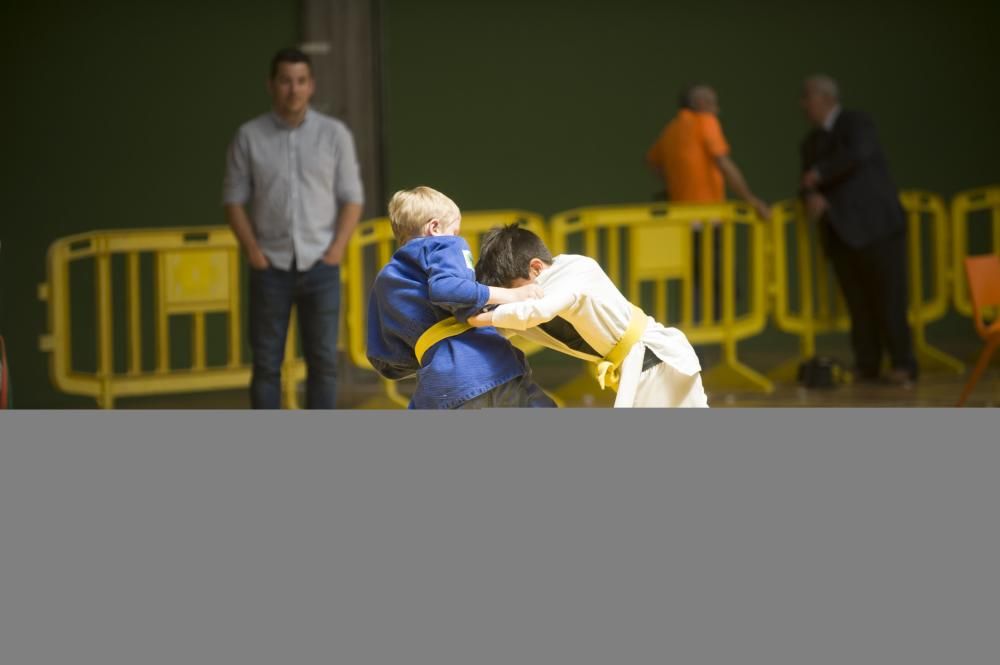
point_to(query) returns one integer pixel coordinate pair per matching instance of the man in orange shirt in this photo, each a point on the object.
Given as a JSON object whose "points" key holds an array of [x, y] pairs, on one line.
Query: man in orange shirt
{"points": [[692, 156]]}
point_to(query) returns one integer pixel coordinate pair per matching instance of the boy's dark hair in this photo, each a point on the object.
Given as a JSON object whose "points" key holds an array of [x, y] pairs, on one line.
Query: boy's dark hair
{"points": [[505, 253], [289, 55]]}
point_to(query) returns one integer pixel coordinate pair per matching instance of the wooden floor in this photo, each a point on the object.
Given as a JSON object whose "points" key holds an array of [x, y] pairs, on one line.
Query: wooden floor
{"points": [[938, 390], [933, 390], [360, 389]]}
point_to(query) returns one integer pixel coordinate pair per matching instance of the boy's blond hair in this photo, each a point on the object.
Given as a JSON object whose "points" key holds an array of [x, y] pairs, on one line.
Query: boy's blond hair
{"points": [[411, 209]]}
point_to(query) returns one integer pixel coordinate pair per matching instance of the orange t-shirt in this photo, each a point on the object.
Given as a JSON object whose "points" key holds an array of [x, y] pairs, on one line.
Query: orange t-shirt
{"points": [[686, 152]]}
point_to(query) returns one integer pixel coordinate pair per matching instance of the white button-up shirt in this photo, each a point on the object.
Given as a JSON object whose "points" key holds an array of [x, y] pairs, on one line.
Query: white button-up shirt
{"points": [[831, 118], [293, 180]]}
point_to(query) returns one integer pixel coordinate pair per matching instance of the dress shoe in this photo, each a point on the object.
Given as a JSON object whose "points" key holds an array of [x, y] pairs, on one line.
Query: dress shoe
{"points": [[901, 378]]}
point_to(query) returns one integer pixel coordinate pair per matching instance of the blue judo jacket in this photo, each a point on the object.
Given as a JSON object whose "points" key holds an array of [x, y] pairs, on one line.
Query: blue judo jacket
{"points": [[428, 280]]}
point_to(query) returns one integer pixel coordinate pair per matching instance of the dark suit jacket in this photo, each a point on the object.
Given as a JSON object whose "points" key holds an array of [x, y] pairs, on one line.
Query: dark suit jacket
{"points": [[854, 177]]}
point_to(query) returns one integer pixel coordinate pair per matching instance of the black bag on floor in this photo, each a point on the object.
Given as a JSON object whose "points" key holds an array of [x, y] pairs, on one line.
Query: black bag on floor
{"points": [[822, 372]]}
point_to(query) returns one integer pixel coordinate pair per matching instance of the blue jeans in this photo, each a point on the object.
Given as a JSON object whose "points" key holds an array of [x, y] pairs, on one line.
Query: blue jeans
{"points": [[316, 295]]}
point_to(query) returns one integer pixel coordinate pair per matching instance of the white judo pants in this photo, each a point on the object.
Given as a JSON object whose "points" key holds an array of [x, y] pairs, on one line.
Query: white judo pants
{"points": [[663, 386]]}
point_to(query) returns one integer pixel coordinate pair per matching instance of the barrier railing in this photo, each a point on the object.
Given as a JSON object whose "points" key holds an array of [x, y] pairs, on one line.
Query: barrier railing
{"points": [[819, 306], [372, 247], [149, 279], [135, 276], [971, 211], [811, 304], [928, 238], [654, 244]]}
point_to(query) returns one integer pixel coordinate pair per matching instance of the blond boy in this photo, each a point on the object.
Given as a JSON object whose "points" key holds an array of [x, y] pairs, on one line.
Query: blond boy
{"points": [[419, 306]]}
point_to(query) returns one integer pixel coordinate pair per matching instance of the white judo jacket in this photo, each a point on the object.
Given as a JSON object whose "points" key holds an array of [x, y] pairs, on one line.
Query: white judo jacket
{"points": [[578, 290]]}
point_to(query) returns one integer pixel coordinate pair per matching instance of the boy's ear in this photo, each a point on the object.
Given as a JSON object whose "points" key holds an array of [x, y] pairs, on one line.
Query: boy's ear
{"points": [[535, 265], [434, 227]]}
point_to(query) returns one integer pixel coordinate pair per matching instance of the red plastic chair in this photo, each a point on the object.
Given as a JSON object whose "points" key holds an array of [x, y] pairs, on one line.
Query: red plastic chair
{"points": [[983, 273]]}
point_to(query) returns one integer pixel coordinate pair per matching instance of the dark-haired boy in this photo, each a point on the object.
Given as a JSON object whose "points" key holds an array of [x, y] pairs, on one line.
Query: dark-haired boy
{"points": [[583, 314]]}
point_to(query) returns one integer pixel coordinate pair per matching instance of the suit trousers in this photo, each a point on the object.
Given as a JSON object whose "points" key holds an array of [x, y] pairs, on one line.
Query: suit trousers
{"points": [[873, 280]]}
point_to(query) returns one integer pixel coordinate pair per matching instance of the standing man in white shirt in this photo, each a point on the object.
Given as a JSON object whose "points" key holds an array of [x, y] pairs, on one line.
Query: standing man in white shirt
{"points": [[293, 195]]}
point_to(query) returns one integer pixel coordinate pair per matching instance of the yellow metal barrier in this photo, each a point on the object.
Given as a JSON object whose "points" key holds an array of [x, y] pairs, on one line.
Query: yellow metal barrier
{"points": [[927, 216], [654, 244], [372, 247], [194, 272], [820, 308], [964, 208]]}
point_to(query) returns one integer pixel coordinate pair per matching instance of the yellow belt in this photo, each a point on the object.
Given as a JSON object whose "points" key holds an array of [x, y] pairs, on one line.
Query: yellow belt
{"points": [[607, 369], [441, 330]]}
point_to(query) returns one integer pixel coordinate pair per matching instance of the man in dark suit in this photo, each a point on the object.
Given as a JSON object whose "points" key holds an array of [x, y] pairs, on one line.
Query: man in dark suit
{"points": [[847, 188]]}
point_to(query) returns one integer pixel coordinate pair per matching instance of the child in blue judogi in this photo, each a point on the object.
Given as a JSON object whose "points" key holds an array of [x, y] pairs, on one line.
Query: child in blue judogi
{"points": [[419, 306]]}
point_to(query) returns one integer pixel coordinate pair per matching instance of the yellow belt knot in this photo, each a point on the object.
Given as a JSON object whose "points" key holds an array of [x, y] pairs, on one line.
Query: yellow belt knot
{"points": [[608, 373]]}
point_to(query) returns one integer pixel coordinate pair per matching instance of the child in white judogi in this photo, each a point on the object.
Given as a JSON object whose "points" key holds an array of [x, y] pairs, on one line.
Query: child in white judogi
{"points": [[583, 314]]}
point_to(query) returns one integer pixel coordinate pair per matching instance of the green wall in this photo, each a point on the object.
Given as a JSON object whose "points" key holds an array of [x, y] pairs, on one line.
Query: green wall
{"points": [[551, 104], [118, 114]]}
